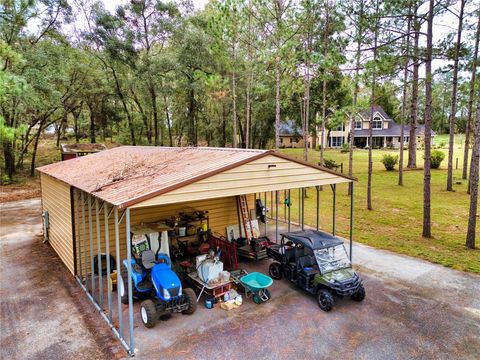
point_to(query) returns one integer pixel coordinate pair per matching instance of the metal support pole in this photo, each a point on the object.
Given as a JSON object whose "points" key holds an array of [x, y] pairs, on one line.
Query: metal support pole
{"points": [[284, 205], [299, 205], [351, 219], [107, 251], [119, 273], [334, 189], [276, 216], [90, 232], [289, 206], [84, 237], [318, 206], [99, 253], [130, 289], [79, 234], [303, 208], [271, 203], [266, 213]]}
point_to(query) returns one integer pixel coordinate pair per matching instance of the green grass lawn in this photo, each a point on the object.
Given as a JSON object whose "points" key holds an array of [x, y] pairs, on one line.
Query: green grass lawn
{"points": [[395, 223]]}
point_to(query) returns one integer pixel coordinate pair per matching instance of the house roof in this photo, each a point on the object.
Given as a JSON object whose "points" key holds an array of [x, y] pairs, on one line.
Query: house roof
{"points": [[84, 148], [376, 108], [289, 128], [393, 130], [127, 175]]}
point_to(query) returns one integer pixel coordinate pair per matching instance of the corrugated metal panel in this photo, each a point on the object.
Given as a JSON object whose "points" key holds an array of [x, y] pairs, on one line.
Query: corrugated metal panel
{"points": [[128, 174], [269, 173], [56, 200]]}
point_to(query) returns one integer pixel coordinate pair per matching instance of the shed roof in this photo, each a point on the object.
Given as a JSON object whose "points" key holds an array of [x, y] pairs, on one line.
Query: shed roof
{"points": [[127, 175]]}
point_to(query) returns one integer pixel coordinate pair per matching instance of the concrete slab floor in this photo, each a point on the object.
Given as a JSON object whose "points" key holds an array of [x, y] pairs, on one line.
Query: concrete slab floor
{"points": [[413, 310]]}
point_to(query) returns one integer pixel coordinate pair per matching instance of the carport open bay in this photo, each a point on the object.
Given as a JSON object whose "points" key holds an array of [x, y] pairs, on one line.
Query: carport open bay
{"points": [[413, 309]]}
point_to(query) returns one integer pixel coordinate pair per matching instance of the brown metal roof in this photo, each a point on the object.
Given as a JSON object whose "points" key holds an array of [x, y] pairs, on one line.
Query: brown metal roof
{"points": [[127, 175]]}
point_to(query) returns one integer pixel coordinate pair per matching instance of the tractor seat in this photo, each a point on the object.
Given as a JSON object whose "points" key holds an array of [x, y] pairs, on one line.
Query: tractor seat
{"points": [[148, 259]]}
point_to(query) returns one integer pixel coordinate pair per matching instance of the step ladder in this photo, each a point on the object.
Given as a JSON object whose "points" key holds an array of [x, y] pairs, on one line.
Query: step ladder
{"points": [[245, 216]]}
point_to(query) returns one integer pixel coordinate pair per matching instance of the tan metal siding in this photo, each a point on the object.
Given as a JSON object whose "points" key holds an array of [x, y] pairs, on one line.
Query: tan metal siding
{"points": [[56, 200], [221, 212], [255, 176]]}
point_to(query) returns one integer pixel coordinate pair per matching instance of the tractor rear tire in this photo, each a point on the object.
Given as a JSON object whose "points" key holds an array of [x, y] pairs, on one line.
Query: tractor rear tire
{"points": [[359, 295], [148, 312], [122, 286], [275, 271], [192, 301], [325, 300]]}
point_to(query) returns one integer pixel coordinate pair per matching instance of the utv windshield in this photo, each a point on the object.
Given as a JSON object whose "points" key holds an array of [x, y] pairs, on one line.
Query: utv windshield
{"points": [[331, 259]]}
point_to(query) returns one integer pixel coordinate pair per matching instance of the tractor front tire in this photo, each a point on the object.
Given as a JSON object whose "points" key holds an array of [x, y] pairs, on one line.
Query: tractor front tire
{"points": [[275, 271], [359, 295], [192, 301], [122, 286], [148, 311], [325, 300]]}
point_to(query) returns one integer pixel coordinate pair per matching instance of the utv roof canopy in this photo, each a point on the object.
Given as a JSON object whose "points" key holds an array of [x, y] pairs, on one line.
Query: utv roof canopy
{"points": [[313, 239]]}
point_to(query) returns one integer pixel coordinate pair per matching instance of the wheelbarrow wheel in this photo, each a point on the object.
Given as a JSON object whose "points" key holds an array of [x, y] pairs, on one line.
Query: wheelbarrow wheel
{"points": [[257, 299]]}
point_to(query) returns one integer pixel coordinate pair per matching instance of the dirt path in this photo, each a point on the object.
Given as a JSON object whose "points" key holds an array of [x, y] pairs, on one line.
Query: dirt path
{"points": [[44, 314]]}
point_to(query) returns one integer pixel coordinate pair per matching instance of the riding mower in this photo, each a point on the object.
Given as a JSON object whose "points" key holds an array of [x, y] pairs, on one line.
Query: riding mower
{"points": [[156, 284]]}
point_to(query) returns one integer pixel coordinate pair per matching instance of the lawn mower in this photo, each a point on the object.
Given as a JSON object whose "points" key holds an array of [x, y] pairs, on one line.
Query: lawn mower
{"points": [[318, 263], [155, 283]]}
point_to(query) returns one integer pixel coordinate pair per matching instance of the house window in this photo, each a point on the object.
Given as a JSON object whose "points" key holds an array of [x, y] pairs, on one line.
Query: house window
{"points": [[358, 124], [336, 141], [377, 124], [281, 140]]}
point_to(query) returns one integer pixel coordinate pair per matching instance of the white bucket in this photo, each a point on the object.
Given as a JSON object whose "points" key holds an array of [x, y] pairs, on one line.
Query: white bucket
{"points": [[182, 231]]}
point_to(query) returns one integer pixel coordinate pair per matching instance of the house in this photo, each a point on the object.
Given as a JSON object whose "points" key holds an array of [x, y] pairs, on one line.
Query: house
{"points": [[386, 132], [290, 135]]}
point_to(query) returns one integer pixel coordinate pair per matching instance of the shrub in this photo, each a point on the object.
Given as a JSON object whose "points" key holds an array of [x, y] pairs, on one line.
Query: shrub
{"points": [[6, 180], [345, 148], [330, 164], [389, 161], [436, 158], [318, 147]]}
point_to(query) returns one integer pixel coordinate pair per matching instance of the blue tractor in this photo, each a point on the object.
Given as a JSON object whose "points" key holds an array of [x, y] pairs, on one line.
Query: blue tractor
{"points": [[156, 283]]}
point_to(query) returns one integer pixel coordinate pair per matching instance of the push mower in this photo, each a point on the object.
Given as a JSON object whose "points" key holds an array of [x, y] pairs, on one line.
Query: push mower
{"points": [[156, 284]]}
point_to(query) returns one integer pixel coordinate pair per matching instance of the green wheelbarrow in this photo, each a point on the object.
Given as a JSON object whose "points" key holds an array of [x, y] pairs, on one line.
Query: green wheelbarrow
{"points": [[256, 284]]}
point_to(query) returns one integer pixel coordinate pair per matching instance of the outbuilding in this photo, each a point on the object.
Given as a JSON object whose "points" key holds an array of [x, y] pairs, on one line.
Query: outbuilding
{"points": [[91, 203]]}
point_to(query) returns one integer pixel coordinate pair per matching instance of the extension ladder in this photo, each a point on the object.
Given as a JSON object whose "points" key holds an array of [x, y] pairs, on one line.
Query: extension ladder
{"points": [[245, 216]]}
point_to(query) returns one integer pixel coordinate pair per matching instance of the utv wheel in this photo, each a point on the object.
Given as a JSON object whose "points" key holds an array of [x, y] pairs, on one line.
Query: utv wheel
{"points": [[149, 314], [192, 301], [325, 300], [275, 271], [359, 295], [123, 286]]}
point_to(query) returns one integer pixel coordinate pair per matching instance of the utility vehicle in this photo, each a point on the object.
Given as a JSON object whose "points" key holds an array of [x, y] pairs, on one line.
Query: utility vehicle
{"points": [[156, 283], [318, 263]]}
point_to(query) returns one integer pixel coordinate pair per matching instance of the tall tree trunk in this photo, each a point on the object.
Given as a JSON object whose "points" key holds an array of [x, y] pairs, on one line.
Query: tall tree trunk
{"points": [[470, 102], [169, 125], [61, 128], [372, 104], [358, 37], [277, 103], [234, 103], [125, 107], [412, 140], [306, 107], [404, 96], [249, 78], [35, 147], [158, 136], [92, 124], [76, 127], [428, 126], [324, 82], [472, 216], [453, 110]]}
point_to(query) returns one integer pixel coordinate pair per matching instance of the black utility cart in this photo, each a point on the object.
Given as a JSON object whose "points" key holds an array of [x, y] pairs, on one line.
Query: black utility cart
{"points": [[318, 263]]}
